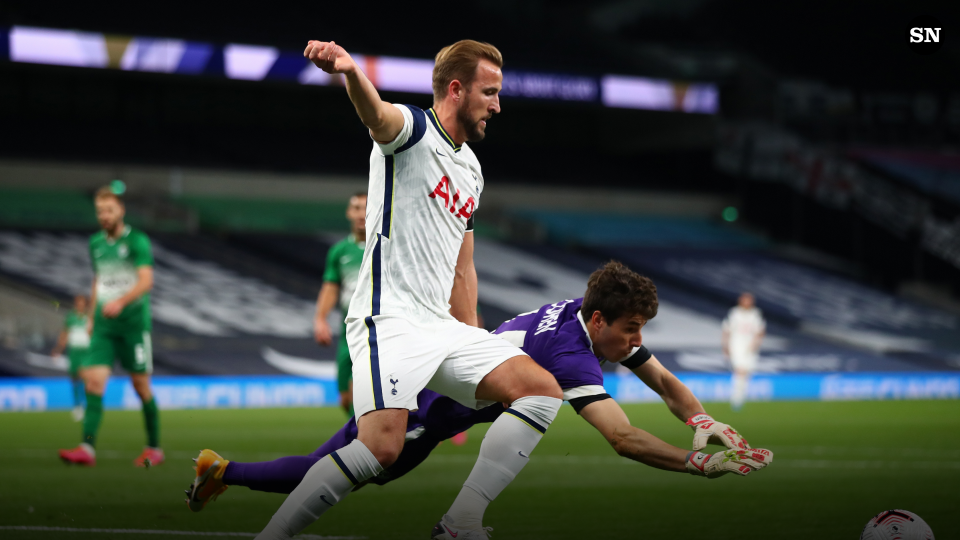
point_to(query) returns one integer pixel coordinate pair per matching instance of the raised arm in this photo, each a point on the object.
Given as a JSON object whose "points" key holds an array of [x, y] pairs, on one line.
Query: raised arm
{"points": [[382, 119], [463, 297]]}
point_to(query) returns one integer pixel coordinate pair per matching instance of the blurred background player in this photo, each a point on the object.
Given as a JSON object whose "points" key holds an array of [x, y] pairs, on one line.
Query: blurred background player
{"points": [[75, 340], [743, 331], [123, 269], [339, 282]]}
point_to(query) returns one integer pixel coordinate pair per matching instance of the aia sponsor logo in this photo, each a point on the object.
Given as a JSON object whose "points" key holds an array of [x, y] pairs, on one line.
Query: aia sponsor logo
{"points": [[450, 202]]}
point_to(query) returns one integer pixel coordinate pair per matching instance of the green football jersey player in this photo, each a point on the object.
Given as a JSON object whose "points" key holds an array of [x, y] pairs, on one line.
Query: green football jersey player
{"points": [[75, 341], [339, 281], [123, 277]]}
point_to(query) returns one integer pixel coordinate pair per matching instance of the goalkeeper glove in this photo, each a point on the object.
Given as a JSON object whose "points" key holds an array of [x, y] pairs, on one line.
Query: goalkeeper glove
{"points": [[741, 462], [708, 430]]}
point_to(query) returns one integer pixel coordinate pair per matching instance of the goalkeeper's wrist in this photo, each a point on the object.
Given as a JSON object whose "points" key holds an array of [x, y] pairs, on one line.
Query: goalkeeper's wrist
{"points": [[697, 419], [695, 463]]}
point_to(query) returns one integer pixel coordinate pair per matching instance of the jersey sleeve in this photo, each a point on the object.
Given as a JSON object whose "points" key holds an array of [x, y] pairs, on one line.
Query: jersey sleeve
{"points": [[331, 272], [637, 358], [470, 223], [142, 253], [414, 126], [761, 322]]}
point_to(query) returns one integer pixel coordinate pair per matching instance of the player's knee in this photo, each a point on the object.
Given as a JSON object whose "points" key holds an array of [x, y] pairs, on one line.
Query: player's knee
{"points": [[542, 385], [386, 454]]}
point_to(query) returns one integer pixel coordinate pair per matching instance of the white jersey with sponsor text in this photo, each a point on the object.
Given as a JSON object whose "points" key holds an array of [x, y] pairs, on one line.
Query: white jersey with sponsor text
{"points": [[422, 194]]}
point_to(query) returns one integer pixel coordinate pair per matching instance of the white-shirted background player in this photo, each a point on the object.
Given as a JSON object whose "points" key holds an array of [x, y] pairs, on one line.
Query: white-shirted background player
{"points": [[743, 331]]}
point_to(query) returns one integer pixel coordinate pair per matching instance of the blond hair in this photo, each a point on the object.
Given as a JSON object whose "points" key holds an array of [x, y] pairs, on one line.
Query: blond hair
{"points": [[106, 192], [458, 62]]}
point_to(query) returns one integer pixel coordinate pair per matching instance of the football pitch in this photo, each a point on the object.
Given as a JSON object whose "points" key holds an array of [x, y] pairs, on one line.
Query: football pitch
{"points": [[835, 466]]}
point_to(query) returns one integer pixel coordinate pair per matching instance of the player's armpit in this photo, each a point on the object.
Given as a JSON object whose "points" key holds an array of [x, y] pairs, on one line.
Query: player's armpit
{"points": [[389, 123]]}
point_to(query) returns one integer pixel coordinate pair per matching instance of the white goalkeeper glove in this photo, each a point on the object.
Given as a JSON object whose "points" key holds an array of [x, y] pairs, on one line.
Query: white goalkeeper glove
{"points": [[741, 462], [707, 430]]}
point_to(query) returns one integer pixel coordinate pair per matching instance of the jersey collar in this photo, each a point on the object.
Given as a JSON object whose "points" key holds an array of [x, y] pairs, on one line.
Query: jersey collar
{"points": [[585, 332], [111, 241], [353, 238], [432, 115]]}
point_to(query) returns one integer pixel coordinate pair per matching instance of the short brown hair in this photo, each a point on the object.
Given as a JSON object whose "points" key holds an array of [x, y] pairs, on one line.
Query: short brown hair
{"points": [[459, 62], [106, 192], [615, 291]]}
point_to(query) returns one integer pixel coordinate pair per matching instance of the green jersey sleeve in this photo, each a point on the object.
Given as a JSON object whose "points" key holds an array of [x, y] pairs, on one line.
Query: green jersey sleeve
{"points": [[142, 254], [331, 272]]}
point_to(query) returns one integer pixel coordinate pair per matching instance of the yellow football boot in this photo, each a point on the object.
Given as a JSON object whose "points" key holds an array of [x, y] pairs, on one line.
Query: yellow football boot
{"points": [[209, 481]]}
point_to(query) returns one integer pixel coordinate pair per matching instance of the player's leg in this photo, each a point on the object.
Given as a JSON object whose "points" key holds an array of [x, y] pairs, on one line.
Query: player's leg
{"points": [[384, 349], [534, 397], [743, 363], [95, 371], [76, 385], [136, 356], [284, 474], [345, 373]]}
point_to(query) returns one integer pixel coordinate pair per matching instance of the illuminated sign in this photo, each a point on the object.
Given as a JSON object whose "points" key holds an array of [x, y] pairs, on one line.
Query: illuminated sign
{"points": [[388, 73]]}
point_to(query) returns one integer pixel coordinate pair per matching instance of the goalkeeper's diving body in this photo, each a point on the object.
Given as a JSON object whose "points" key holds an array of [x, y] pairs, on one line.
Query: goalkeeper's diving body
{"points": [[570, 339]]}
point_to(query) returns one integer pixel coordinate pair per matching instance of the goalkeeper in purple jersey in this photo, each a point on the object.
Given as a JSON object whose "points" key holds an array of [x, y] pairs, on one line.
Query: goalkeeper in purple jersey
{"points": [[571, 339]]}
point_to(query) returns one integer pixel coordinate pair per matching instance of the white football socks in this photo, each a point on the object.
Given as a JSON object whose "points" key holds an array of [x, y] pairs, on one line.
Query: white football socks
{"points": [[503, 453], [325, 484], [738, 394]]}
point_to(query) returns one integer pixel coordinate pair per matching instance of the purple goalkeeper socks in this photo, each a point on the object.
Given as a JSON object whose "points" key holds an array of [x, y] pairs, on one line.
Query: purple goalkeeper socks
{"points": [[278, 476]]}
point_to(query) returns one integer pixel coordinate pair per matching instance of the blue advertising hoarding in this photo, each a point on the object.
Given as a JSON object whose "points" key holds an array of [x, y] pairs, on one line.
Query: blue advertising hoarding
{"points": [[263, 391]]}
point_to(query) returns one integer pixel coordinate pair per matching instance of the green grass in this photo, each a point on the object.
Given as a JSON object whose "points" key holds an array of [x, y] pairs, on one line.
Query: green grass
{"points": [[836, 465]]}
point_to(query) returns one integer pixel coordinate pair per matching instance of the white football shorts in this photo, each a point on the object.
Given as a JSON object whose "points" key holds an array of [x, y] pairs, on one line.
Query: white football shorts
{"points": [[394, 359], [743, 357]]}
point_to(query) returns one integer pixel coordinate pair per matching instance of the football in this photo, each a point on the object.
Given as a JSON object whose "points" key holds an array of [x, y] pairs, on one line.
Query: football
{"points": [[896, 525]]}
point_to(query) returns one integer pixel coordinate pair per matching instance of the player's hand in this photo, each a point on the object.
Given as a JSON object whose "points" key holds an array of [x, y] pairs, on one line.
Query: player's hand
{"points": [[321, 332], [90, 327], [112, 309], [329, 57], [707, 430], [741, 462]]}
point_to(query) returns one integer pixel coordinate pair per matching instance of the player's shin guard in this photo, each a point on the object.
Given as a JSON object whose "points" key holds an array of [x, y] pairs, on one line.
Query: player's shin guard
{"points": [[503, 453], [325, 484]]}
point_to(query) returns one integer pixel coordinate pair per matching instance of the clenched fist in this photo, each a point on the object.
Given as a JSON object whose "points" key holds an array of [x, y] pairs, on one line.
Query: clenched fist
{"points": [[329, 57]]}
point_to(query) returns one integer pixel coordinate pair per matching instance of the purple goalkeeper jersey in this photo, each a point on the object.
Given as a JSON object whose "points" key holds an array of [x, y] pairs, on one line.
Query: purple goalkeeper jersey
{"points": [[555, 336]]}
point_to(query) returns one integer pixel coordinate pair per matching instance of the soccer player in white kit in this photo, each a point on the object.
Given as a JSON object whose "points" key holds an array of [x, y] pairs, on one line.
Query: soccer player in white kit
{"points": [[407, 323], [743, 331]]}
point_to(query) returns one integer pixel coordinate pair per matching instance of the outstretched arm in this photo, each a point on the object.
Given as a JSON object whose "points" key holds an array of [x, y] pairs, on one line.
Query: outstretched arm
{"points": [[685, 406], [638, 445], [631, 442], [679, 399], [382, 119]]}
